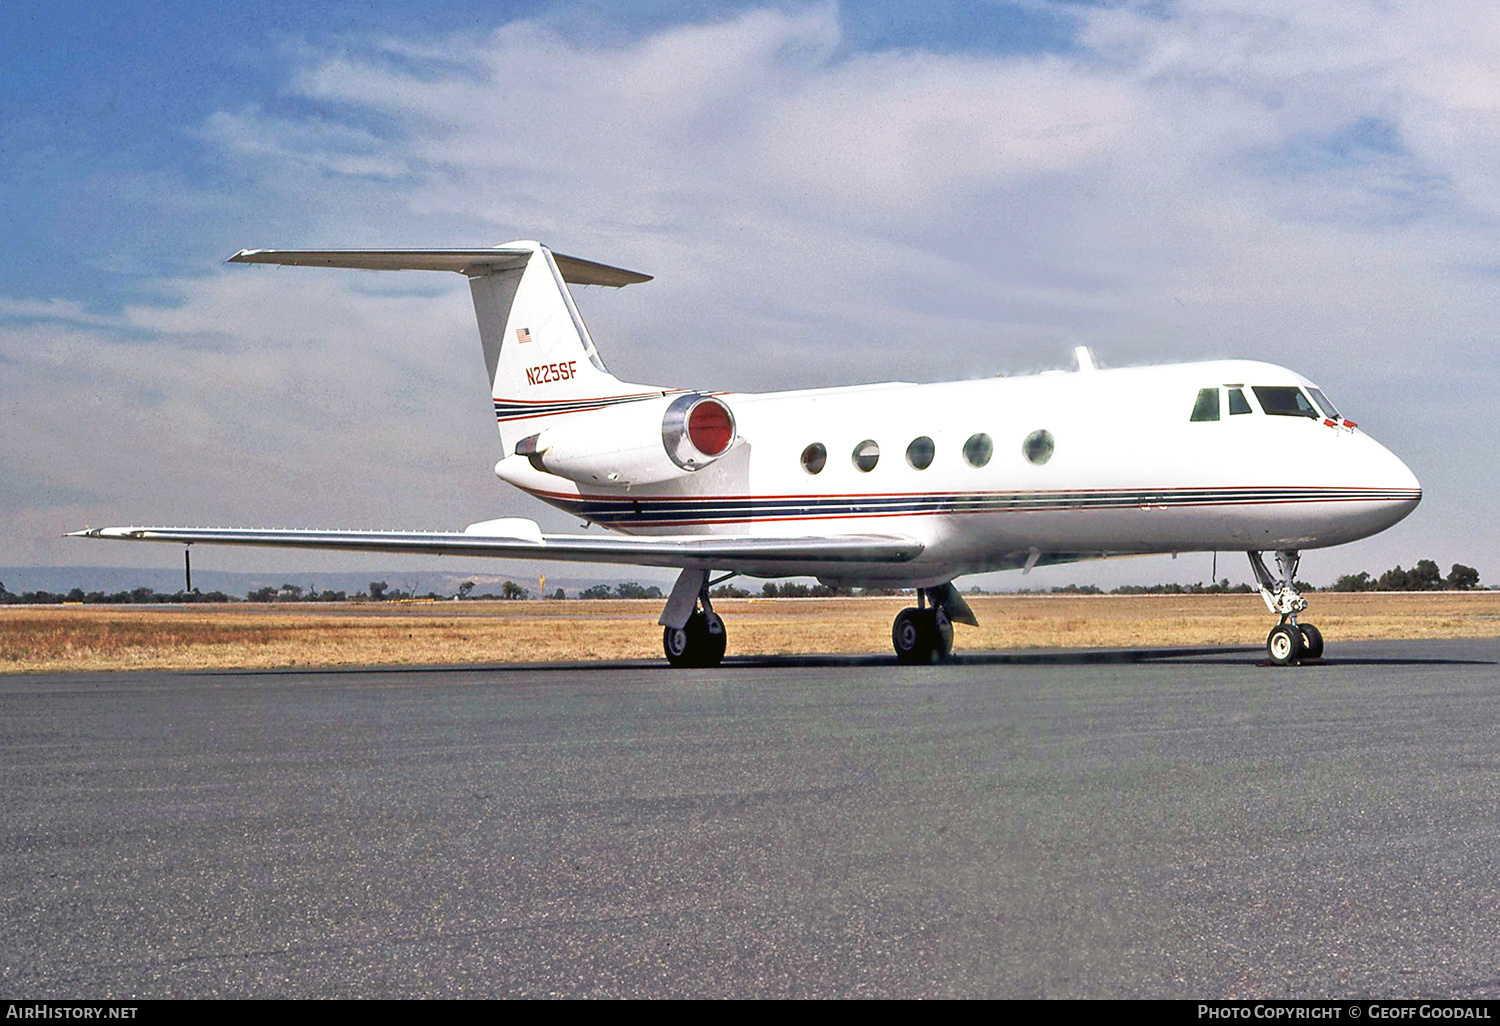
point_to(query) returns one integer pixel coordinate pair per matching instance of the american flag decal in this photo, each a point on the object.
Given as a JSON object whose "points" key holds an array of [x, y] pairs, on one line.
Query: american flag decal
{"points": [[523, 335]]}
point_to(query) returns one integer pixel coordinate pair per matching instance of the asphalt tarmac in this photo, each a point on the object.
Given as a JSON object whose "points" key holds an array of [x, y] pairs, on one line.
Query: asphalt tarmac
{"points": [[1038, 825]]}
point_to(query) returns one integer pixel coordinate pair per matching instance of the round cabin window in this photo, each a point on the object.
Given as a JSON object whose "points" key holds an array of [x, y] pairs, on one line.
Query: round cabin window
{"points": [[920, 452], [814, 458], [978, 450], [866, 454], [1038, 447]]}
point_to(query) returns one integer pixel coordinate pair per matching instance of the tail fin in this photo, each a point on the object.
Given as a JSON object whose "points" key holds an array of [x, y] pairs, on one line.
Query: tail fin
{"points": [[541, 360], [540, 357]]}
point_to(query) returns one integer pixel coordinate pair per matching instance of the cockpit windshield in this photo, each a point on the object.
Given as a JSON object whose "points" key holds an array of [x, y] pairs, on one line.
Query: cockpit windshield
{"points": [[1284, 401]]}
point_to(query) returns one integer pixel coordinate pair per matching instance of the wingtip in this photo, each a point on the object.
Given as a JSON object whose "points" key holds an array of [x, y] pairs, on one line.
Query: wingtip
{"points": [[105, 532]]}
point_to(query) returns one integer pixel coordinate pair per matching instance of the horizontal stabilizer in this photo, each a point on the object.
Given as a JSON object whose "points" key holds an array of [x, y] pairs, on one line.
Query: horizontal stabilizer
{"points": [[471, 262]]}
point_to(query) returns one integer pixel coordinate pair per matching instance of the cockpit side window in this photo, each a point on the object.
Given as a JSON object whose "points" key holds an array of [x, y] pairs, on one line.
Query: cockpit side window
{"points": [[1207, 406], [1327, 407], [1284, 401], [1237, 401]]}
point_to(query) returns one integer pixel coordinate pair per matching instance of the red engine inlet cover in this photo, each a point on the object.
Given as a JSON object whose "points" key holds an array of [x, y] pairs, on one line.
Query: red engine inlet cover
{"points": [[710, 428]]}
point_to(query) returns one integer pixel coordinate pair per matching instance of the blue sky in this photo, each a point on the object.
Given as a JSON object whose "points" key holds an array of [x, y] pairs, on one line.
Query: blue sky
{"points": [[812, 185]]}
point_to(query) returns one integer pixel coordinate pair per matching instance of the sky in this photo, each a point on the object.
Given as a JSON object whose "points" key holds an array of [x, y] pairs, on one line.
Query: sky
{"points": [[814, 186]]}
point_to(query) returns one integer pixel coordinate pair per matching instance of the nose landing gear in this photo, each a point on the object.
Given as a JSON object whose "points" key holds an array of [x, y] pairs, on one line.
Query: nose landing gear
{"points": [[1289, 642]]}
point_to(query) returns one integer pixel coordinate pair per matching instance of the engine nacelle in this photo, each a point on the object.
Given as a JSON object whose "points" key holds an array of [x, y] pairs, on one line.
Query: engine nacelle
{"points": [[637, 443]]}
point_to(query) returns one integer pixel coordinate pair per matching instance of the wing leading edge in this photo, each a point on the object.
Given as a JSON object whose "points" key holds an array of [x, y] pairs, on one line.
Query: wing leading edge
{"points": [[754, 556]]}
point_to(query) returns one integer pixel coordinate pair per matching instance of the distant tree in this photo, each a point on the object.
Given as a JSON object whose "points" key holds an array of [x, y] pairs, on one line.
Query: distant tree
{"points": [[795, 589], [266, 594], [1425, 576], [1394, 579], [378, 590], [512, 590], [597, 591], [1463, 578], [559, 594], [209, 596], [465, 588], [290, 592], [1361, 581], [730, 591], [632, 590]]}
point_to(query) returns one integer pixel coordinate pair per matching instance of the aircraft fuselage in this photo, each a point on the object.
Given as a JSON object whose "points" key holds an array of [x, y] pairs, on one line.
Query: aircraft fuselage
{"points": [[995, 473]]}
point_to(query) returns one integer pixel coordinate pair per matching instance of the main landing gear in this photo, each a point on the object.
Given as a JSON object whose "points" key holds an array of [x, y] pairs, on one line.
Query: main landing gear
{"points": [[924, 633], [699, 642], [692, 636], [1289, 642]]}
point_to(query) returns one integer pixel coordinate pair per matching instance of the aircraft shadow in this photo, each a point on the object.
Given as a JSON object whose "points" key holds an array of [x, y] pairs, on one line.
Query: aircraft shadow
{"points": [[1228, 656], [1224, 656]]}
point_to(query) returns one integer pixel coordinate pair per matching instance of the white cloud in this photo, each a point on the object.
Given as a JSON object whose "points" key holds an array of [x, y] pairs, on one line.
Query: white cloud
{"points": [[318, 145], [70, 310]]}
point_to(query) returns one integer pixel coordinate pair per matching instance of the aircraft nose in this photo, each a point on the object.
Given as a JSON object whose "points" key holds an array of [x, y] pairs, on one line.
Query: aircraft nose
{"points": [[1399, 475], [1400, 487]]}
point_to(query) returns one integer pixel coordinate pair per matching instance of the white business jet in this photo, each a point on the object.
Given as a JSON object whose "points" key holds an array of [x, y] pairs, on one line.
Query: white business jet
{"points": [[890, 485]]}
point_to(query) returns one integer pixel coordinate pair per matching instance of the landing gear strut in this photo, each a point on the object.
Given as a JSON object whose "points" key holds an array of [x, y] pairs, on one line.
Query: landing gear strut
{"points": [[1289, 642], [924, 633], [692, 636]]}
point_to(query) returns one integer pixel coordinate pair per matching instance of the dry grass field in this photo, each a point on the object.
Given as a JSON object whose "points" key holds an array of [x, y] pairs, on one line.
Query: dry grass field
{"points": [[60, 638]]}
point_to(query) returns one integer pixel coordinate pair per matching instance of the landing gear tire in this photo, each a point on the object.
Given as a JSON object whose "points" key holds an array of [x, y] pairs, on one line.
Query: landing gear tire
{"points": [[922, 636], [698, 643], [1312, 641], [1284, 644]]}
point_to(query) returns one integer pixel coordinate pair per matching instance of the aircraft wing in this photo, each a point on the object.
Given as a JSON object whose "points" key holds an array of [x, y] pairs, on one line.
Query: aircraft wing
{"points": [[750, 555]]}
